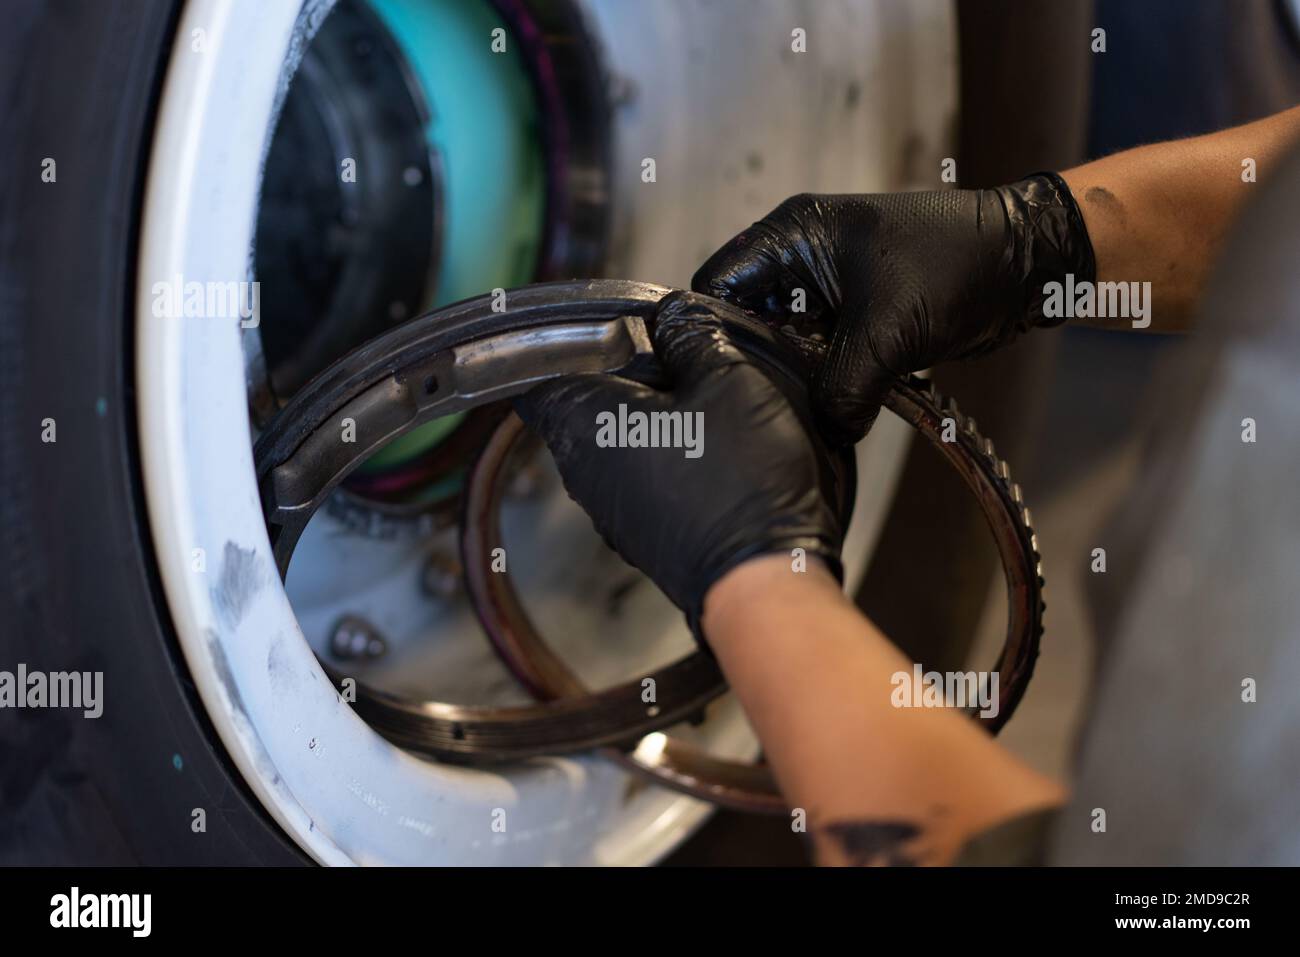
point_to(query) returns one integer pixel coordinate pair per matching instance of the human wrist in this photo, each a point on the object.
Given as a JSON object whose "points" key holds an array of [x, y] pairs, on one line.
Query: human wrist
{"points": [[1048, 241], [789, 555], [744, 594]]}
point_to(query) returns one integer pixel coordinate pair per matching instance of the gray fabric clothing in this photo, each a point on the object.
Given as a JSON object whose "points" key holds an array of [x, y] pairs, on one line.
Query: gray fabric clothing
{"points": [[1186, 771]]}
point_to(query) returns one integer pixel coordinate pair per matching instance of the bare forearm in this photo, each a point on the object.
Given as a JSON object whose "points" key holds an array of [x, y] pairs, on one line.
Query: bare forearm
{"points": [[880, 784], [1159, 213]]}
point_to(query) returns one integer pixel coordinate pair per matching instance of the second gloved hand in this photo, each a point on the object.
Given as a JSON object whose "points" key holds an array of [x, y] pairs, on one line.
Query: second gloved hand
{"points": [[753, 481], [902, 281]]}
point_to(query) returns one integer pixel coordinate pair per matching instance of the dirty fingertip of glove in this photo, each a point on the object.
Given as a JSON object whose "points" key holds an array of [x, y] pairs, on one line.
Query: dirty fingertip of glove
{"points": [[684, 341], [714, 279], [681, 305]]}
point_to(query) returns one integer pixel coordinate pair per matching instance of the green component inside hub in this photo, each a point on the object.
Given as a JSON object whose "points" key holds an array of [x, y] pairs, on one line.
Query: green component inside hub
{"points": [[484, 130]]}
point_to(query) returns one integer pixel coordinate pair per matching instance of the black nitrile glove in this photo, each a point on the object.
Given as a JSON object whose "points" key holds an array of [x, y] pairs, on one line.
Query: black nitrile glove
{"points": [[760, 483], [901, 281]]}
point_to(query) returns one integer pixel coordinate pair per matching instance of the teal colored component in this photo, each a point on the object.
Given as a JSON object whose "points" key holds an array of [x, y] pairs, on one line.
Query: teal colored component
{"points": [[485, 129]]}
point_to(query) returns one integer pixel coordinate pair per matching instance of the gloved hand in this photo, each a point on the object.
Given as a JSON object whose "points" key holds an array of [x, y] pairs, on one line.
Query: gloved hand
{"points": [[756, 481], [901, 281]]}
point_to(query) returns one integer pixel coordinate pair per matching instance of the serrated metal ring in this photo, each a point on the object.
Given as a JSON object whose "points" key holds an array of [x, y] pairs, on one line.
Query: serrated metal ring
{"points": [[470, 354], [676, 763]]}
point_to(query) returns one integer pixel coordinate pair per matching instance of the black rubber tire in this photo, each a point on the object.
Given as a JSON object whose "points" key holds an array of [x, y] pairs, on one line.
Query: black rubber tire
{"points": [[78, 587]]}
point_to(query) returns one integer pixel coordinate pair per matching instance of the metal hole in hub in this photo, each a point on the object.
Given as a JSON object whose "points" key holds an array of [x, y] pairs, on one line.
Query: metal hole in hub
{"points": [[376, 94], [349, 220], [373, 200]]}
